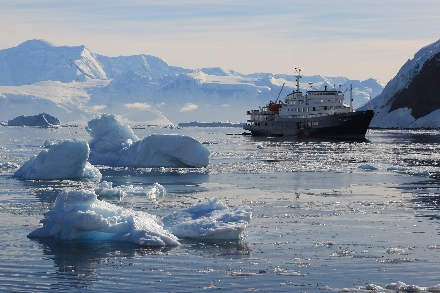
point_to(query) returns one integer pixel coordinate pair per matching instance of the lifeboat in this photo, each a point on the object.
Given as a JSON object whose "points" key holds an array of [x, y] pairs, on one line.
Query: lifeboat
{"points": [[274, 107]]}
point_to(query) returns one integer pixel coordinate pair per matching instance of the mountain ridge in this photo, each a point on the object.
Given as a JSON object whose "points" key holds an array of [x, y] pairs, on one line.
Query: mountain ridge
{"points": [[93, 84]]}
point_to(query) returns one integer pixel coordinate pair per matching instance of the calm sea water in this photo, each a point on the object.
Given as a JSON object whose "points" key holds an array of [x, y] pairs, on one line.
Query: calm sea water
{"points": [[327, 216]]}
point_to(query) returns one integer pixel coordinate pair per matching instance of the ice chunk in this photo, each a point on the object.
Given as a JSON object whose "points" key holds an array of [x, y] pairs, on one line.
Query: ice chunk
{"points": [[396, 286], [211, 220], [79, 215], [8, 165], [106, 189], [434, 289], [64, 160], [367, 167], [421, 173], [114, 144]]}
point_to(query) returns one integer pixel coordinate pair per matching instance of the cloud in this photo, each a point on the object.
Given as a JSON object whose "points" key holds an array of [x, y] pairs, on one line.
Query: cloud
{"points": [[139, 106], [188, 107], [225, 105], [98, 107]]}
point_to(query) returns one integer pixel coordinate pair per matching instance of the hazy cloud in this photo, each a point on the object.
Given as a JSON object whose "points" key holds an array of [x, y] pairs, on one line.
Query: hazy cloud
{"points": [[189, 107], [139, 106]]}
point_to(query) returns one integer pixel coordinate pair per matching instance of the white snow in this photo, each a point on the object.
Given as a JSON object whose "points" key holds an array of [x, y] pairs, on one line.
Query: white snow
{"points": [[115, 144], [64, 160], [79, 215], [432, 120], [400, 118], [211, 220]]}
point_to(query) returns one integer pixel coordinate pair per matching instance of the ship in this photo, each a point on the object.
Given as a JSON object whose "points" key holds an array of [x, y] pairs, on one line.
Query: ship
{"points": [[318, 113]]}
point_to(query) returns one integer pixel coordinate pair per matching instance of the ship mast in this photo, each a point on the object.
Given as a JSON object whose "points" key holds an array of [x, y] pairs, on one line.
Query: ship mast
{"points": [[298, 76], [351, 97]]}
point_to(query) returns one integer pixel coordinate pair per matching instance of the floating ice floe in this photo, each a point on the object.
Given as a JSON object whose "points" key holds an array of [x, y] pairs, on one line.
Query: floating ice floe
{"points": [[212, 220], [79, 215], [395, 250], [106, 189], [115, 144], [396, 169], [368, 167], [421, 173], [64, 160], [400, 286], [434, 289], [8, 165]]}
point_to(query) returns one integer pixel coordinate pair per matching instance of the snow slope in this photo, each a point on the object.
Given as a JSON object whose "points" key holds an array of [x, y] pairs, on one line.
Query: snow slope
{"points": [[402, 118]]}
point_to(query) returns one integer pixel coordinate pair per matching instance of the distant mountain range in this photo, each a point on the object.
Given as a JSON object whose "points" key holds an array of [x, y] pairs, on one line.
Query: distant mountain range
{"points": [[74, 84], [412, 98]]}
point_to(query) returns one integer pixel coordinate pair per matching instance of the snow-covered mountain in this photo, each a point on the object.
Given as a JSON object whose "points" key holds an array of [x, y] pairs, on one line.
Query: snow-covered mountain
{"points": [[411, 99], [74, 84]]}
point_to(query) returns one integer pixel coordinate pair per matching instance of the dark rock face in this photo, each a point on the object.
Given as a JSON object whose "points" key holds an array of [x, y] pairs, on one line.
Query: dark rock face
{"points": [[422, 94], [40, 120]]}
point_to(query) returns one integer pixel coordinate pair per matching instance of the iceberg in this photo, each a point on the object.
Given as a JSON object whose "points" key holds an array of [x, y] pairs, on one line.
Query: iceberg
{"points": [[210, 221], [80, 215], [114, 144], [64, 160], [40, 120]]}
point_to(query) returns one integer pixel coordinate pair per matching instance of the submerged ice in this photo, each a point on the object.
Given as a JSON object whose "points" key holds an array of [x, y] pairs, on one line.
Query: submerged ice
{"points": [[115, 144], [212, 220], [79, 215], [64, 160], [106, 189]]}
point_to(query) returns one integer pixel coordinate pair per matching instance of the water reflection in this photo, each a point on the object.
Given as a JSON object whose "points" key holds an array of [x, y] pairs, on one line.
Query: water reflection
{"points": [[218, 249], [82, 259], [175, 180], [296, 139], [82, 264]]}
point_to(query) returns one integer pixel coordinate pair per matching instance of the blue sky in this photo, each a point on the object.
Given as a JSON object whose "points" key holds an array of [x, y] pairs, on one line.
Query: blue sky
{"points": [[356, 39]]}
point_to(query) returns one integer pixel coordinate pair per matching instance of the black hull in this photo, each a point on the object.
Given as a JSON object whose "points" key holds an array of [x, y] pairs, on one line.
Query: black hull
{"points": [[353, 125]]}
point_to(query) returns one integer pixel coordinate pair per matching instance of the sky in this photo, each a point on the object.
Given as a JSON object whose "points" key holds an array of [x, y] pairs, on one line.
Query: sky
{"points": [[352, 38]]}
